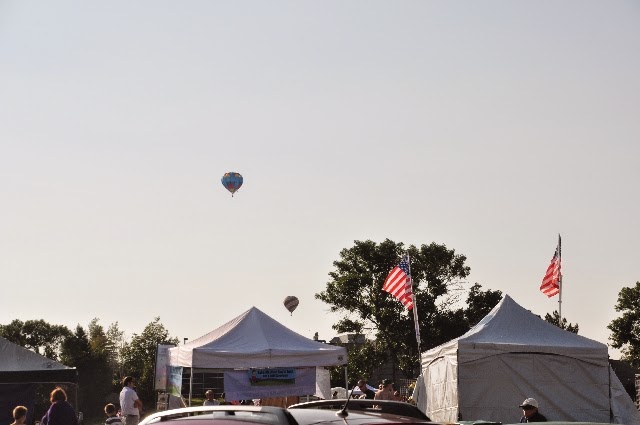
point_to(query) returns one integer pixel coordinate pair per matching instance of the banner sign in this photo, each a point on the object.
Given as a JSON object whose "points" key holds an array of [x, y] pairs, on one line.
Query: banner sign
{"points": [[174, 380], [238, 384], [162, 362], [266, 377]]}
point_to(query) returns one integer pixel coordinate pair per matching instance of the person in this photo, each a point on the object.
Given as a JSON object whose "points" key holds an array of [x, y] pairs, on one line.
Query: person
{"points": [[130, 402], [19, 415], [386, 393], [362, 386], [530, 412], [210, 401], [60, 412], [112, 415]]}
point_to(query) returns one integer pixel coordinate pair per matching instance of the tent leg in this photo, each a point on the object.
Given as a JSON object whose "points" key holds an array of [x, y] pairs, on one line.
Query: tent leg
{"points": [[190, 385], [346, 380]]}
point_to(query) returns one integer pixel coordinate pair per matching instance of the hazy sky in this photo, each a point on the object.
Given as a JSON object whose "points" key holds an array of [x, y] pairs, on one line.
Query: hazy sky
{"points": [[487, 126]]}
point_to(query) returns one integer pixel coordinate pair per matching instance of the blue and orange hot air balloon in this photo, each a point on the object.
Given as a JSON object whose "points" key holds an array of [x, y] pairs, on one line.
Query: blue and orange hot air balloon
{"points": [[232, 181]]}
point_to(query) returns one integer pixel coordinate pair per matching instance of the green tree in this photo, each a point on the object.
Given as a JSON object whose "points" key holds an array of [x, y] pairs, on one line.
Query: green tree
{"points": [[355, 292], [37, 335], [114, 345], [86, 352], [626, 328], [554, 319], [480, 303], [363, 359], [139, 356]]}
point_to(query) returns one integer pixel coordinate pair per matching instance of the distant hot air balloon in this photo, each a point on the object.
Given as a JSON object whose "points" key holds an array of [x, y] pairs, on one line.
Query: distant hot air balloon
{"points": [[291, 303], [232, 181]]}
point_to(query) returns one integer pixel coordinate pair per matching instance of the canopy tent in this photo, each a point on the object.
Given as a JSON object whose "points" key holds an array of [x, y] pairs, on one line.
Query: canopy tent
{"points": [[20, 369], [251, 340], [20, 365], [512, 354], [255, 340]]}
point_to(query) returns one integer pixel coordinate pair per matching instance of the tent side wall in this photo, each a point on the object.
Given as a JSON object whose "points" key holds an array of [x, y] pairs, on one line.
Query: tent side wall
{"points": [[623, 409], [438, 393], [568, 389], [441, 400]]}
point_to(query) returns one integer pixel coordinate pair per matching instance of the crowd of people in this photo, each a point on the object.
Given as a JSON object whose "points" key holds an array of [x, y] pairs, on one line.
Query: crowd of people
{"points": [[385, 391], [62, 413], [530, 412]]}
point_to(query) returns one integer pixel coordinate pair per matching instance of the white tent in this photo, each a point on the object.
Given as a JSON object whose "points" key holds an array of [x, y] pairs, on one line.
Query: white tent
{"points": [[255, 340], [513, 354]]}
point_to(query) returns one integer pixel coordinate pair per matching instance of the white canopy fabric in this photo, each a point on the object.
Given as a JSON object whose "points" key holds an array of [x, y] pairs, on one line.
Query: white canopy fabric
{"points": [[255, 340], [510, 355]]}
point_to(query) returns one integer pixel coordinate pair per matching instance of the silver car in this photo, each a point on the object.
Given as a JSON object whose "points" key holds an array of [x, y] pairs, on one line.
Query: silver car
{"points": [[265, 415]]}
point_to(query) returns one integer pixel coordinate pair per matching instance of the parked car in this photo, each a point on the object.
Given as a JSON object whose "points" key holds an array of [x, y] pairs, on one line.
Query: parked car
{"points": [[366, 405], [222, 415], [266, 415]]}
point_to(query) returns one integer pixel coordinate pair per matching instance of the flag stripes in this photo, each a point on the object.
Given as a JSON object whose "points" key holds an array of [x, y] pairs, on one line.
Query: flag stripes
{"points": [[551, 280], [398, 283]]}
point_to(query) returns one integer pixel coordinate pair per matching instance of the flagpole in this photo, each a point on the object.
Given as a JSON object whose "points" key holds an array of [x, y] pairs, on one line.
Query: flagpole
{"points": [[560, 281], [415, 313]]}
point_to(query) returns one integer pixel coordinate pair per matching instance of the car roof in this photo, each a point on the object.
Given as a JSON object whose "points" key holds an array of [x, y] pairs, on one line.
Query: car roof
{"points": [[481, 422], [380, 406], [223, 415], [267, 415], [324, 416]]}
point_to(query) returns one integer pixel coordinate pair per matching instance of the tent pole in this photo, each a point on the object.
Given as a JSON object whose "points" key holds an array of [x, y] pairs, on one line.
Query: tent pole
{"points": [[346, 379], [560, 283], [190, 385]]}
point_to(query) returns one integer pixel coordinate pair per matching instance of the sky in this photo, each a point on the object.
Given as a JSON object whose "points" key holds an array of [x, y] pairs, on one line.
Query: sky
{"points": [[487, 126]]}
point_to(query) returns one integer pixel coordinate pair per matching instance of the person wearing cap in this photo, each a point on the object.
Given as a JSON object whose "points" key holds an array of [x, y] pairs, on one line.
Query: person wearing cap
{"points": [[386, 393], [530, 412]]}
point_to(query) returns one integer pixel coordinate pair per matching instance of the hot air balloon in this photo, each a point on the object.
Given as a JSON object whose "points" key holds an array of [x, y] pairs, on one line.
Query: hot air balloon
{"points": [[232, 181], [291, 303]]}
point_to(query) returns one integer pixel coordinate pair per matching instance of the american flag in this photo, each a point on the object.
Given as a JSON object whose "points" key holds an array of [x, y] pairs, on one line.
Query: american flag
{"points": [[398, 283], [551, 281]]}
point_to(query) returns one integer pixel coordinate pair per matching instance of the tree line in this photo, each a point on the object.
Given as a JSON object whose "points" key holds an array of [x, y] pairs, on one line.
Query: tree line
{"points": [[446, 311], [102, 357]]}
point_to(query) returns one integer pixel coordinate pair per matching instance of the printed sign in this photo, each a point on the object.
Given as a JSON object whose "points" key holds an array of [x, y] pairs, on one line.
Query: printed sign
{"points": [[174, 381], [162, 361], [237, 385], [266, 377]]}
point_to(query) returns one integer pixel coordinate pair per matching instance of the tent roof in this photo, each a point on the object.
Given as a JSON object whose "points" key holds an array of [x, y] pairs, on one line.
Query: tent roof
{"points": [[18, 364], [254, 339], [511, 328]]}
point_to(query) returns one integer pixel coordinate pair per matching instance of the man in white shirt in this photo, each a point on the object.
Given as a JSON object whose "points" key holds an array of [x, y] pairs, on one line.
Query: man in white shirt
{"points": [[130, 403], [210, 401]]}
